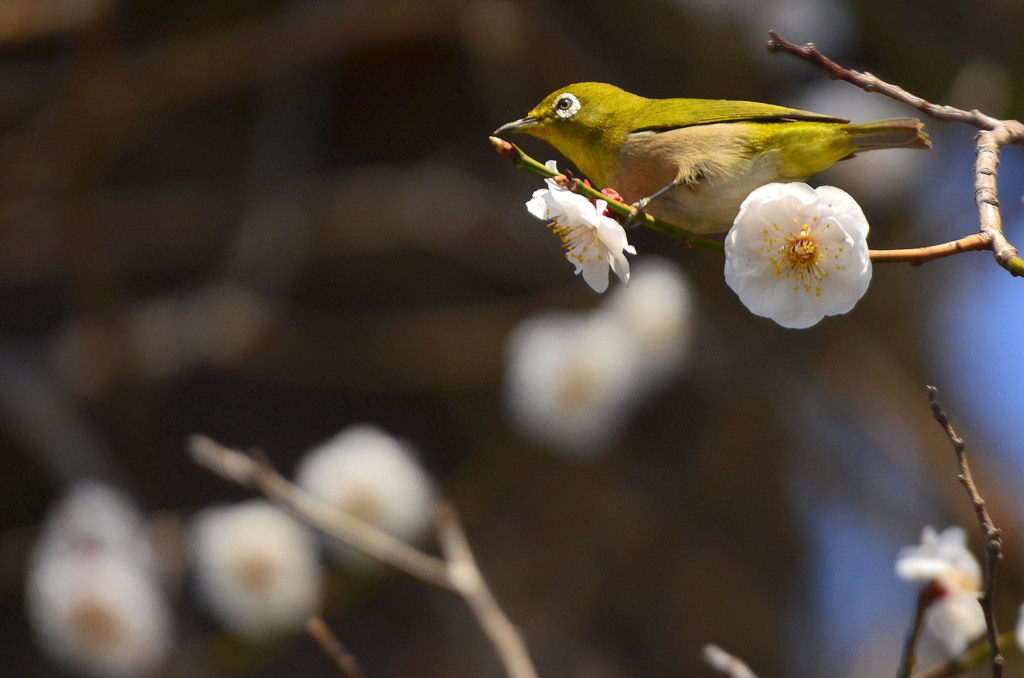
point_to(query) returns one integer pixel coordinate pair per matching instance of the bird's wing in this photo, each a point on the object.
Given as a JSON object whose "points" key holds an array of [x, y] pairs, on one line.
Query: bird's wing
{"points": [[660, 118]]}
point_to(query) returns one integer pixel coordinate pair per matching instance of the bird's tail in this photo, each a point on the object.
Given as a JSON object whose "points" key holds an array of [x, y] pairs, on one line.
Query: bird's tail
{"points": [[891, 133]]}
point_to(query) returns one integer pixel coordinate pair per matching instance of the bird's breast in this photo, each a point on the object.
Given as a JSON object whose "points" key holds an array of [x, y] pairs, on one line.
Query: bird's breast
{"points": [[715, 164]]}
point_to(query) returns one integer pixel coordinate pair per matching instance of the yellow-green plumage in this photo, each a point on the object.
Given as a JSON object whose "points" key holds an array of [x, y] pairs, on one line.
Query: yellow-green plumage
{"points": [[717, 151]]}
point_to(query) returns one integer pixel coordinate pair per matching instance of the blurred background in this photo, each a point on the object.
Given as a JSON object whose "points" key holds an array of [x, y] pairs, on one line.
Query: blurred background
{"points": [[269, 220]]}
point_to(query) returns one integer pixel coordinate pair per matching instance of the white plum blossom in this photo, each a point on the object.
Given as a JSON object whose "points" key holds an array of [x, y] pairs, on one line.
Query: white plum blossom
{"points": [[99, 614], [256, 568], [955, 620], [371, 475], [571, 380], [940, 556], [593, 242], [574, 379], [943, 562], [796, 254], [92, 593]]}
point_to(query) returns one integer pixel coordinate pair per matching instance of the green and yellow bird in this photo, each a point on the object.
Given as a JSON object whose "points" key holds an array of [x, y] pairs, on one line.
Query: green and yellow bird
{"points": [[695, 160]]}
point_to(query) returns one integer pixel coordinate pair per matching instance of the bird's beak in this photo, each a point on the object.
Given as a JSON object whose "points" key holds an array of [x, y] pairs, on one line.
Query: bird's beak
{"points": [[520, 125]]}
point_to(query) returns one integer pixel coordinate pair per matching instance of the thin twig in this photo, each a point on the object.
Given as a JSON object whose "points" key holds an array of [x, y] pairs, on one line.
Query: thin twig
{"points": [[457, 572], [342, 659], [258, 474], [466, 577], [919, 255], [925, 597], [994, 134], [725, 663], [869, 83], [992, 535]]}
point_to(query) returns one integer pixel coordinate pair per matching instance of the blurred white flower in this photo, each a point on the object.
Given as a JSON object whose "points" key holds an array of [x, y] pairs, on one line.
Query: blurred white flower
{"points": [[955, 620], [571, 380], [96, 517], [593, 242], [940, 556], [91, 589], [375, 477], [942, 561], [256, 568], [658, 310], [796, 254]]}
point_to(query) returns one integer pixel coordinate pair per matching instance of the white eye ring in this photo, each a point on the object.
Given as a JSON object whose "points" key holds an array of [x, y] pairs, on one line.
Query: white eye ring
{"points": [[566, 105]]}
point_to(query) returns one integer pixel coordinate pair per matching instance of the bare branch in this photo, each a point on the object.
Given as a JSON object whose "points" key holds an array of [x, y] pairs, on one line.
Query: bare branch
{"points": [[920, 255], [342, 659], [870, 83], [993, 536], [725, 663], [457, 573], [986, 168], [259, 475], [994, 134], [925, 597], [466, 578]]}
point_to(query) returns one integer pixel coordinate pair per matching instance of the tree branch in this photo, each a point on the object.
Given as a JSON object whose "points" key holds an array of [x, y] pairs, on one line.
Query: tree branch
{"points": [[994, 134], [925, 597], [457, 572], [869, 83], [725, 663], [342, 659], [992, 535]]}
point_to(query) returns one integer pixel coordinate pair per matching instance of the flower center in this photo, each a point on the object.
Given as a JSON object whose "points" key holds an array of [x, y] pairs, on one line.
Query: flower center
{"points": [[98, 625], [578, 240], [799, 255], [802, 250], [257, 571]]}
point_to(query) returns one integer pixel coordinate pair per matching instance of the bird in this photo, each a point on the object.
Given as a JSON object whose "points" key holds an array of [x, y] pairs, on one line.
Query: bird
{"points": [[692, 162]]}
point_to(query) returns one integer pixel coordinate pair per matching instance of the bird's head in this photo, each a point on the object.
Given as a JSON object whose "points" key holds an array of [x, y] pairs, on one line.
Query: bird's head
{"points": [[586, 122]]}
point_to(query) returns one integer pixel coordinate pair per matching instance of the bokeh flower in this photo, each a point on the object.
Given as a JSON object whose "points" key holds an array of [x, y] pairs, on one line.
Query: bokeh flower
{"points": [[371, 475], [593, 242], [942, 562], [570, 380], [796, 254], [940, 556], [256, 568], [92, 593], [573, 379]]}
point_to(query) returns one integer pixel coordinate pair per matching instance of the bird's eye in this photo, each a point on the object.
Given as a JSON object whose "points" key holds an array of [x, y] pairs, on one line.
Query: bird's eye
{"points": [[566, 105]]}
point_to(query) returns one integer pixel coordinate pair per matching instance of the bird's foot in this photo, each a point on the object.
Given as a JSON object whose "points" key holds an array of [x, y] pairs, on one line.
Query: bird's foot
{"points": [[637, 214]]}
